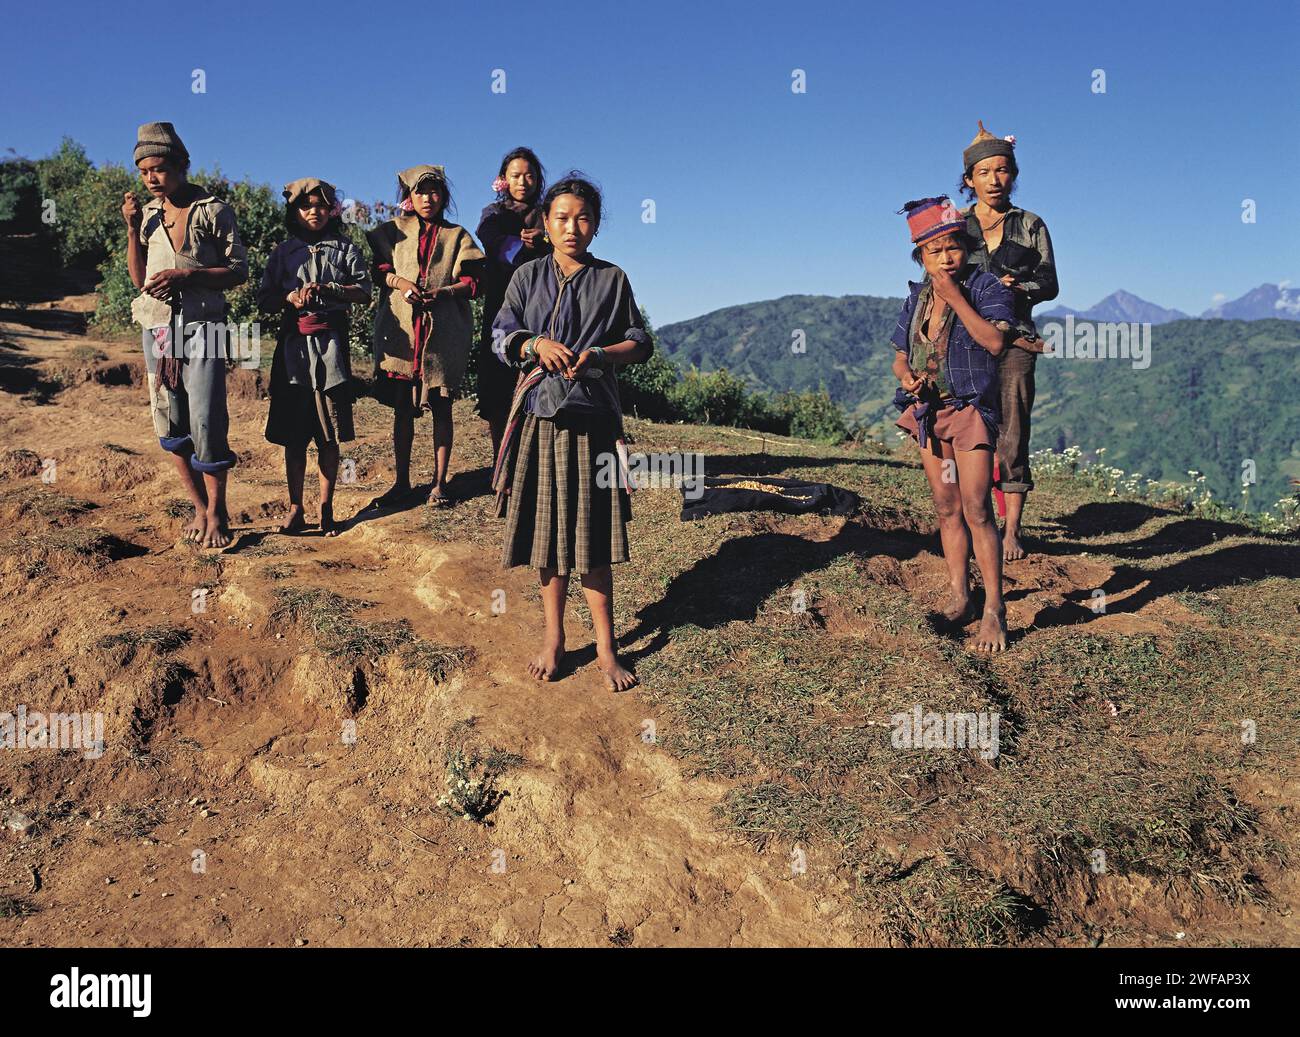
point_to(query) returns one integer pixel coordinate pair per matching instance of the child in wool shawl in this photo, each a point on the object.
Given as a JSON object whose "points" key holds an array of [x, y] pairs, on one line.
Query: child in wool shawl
{"points": [[310, 280], [511, 233], [429, 269], [568, 320], [952, 327]]}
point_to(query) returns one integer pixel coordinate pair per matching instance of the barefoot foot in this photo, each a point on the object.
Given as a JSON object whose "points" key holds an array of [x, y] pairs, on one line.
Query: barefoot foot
{"points": [[327, 525], [1012, 548], [956, 605], [992, 634], [547, 663], [197, 528], [617, 676], [295, 523], [218, 533]]}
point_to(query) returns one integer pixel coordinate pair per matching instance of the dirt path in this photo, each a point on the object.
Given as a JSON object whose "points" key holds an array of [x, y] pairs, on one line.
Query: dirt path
{"points": [[304, 836]]}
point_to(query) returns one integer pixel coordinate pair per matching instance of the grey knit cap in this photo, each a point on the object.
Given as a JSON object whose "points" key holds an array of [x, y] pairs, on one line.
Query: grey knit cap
{"points": [[159, 140], [985, 145]]}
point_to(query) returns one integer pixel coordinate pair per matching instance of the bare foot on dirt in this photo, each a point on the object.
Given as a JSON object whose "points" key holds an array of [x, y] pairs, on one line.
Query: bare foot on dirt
{"points": [[438, 497], [395, 495], [992, 634], [956, 605], [218, 531], [547, 663], [327, 524], [617, 677], [1012, 549], [295, 523], [198, 526]]}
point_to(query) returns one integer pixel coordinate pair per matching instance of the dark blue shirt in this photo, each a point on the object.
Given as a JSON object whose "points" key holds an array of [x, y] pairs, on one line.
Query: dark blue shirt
{"points": [[972, 370]]}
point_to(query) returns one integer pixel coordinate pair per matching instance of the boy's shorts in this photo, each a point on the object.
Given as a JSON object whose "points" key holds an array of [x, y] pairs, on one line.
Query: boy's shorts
{"points": [[192, 415], [963, 428]]}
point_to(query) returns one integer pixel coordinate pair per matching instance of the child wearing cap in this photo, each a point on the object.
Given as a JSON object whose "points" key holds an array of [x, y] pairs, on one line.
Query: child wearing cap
{"points": [[1013, 245], [429, 269], [950, 331], [183, 254], [311, 279]]}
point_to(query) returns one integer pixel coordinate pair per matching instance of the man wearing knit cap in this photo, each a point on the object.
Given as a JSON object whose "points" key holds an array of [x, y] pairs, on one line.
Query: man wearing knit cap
{"points": [[183, 254], [1013, 245]]}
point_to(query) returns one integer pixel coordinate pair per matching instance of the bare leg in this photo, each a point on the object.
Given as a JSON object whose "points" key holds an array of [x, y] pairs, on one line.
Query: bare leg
{"points": [[218, 534], [952, 529], [1012, 548], [328, 460], [443, 437], [295, 471], [555, 589], [598, 585], [975, 476], [403, 437], [198, 526]]}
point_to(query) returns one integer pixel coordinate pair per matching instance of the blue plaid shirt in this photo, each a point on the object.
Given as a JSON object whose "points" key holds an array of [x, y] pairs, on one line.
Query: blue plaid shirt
{"points": [[971, 369]]}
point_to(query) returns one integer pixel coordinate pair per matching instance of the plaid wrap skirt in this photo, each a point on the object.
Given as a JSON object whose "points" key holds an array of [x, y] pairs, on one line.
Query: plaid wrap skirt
{"points": [[559, 515]]}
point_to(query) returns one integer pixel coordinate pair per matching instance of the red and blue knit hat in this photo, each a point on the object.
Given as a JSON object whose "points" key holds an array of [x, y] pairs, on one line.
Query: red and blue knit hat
{"points": [[929, 217]]}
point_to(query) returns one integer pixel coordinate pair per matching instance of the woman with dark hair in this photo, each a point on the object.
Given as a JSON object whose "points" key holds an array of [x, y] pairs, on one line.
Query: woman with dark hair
{"points": [[423, 326], [511, 233], [568, 321], [1013, 245]]}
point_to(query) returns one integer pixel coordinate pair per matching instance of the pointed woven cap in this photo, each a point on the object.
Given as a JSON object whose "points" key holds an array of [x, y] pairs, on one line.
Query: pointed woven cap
{"points": [[296, 189], [410, 178], [158, 140], [929, 217], [985, 145]]}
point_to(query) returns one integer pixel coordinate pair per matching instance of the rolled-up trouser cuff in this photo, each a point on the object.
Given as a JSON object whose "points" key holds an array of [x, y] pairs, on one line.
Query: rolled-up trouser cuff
{"points": [[176, 444], [211, 467], [1015, 487]]}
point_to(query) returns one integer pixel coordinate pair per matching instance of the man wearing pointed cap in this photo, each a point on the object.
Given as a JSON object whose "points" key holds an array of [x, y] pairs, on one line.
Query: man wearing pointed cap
{"points": [[183, 254], [1013, 245]]}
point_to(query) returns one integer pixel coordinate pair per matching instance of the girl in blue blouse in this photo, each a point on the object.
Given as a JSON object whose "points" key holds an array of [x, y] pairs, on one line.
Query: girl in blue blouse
{"points": [[568, 321]]}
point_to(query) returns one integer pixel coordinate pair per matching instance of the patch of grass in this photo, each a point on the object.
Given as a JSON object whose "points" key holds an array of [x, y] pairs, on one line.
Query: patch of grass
{"points": [[48, 505], [132, 822], [1271, 606], [434, 660], [160, 639], [178, 507], [337, 632], [62, 550], [277, 572], [16, 907], [86, 354], [330, 619]]}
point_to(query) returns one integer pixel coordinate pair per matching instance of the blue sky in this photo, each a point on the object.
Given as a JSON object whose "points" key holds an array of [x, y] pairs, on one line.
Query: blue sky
{"points": [[759, 191]]}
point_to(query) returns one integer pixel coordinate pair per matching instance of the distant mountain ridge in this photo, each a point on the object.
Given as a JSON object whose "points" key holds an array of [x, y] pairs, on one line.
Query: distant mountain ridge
{"points": [[1200, 404], [1267, 302], [1120, 306]]}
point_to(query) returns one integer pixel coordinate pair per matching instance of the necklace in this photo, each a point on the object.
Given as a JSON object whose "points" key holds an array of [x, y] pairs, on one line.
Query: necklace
{"points": [[996, 223]]}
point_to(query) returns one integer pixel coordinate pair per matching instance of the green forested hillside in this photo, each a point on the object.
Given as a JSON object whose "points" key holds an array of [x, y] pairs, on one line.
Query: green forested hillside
{"points": [[1217, 393]]}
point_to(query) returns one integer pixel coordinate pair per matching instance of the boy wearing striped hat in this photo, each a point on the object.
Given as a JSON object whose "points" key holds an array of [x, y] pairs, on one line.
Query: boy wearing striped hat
{"points": [[950, 332]]}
